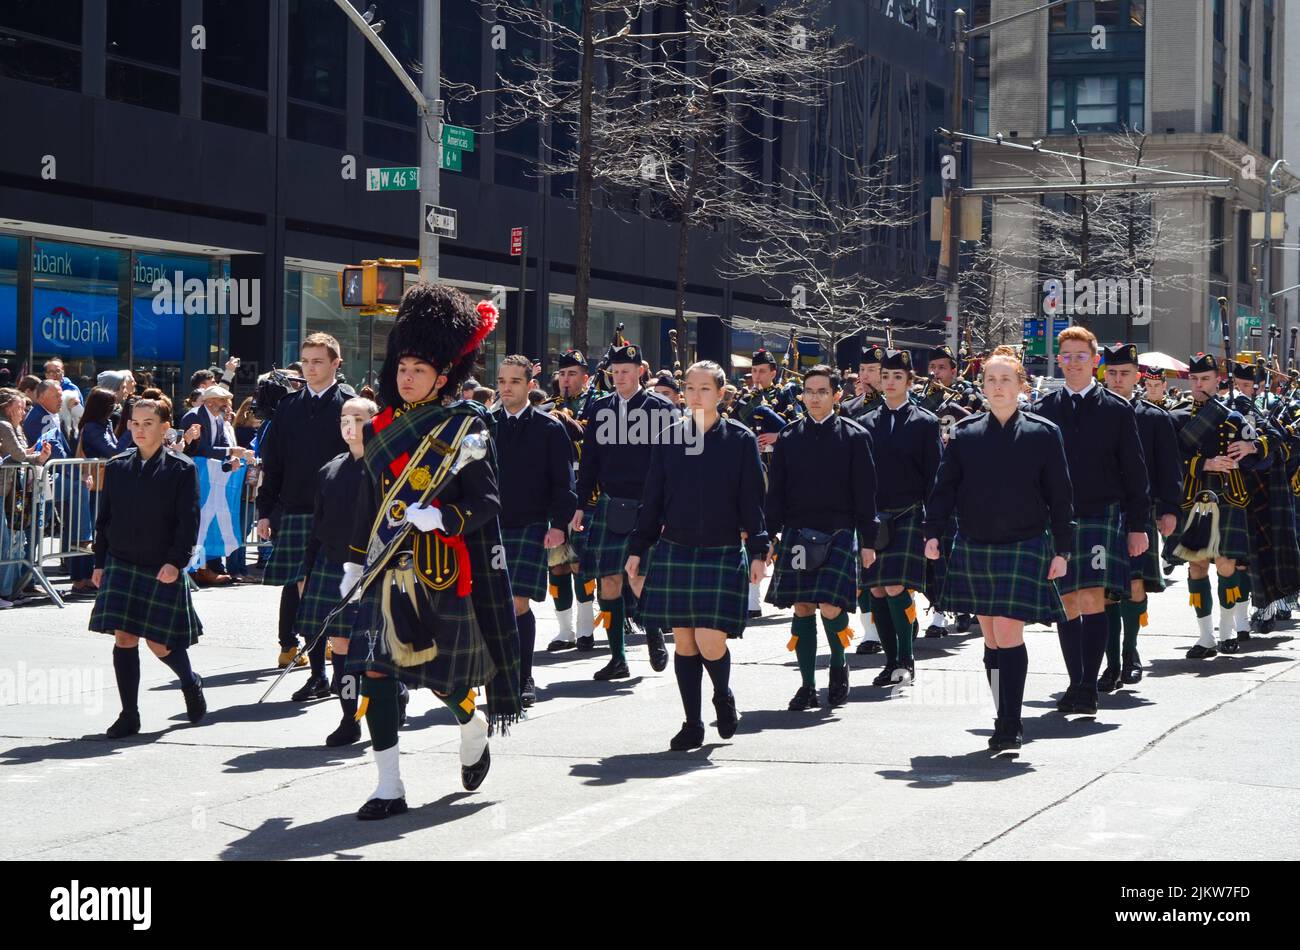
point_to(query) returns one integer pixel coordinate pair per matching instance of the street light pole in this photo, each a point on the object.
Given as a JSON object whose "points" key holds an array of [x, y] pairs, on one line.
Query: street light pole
{"points": [[1265, 298], [430, 132], [953, 204]]}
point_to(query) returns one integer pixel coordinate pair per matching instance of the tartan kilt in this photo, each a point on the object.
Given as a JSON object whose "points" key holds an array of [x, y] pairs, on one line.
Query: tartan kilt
{"points": [[1147, 567], [1107, 532], [1234, 534], [1002, 580], [133, 600], [697, 587], [604, 553], [462, 658], [320, 595], [288, 545], [526, 560], [903, 562], [834, 583]]}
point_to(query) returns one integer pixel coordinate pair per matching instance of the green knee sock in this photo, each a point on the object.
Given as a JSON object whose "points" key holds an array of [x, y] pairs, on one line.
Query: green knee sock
{"points": [[1231, 590], [1134, 612], [903, 613], [836, 636], [614, 609], [1198, 595], [885, 627], [382, 713], [461, 703], [1114, 630], [803, 641], [562, 590], [864, 600], [583, 591]]}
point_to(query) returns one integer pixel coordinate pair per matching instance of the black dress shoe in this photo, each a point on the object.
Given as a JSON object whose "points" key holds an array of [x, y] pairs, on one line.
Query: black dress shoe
{"points": [[885, 676], [868, 647], [903, 673], [963, 623], [755, 614], [528, 694], [556, 646], [691, 736], [1065, 703], [806, 698], [348, 732], [1132, 671], [615, 669], [196, 707], [126, 724], [586, 644], [934, 630], [379, 808], [316, 687], [728, 717], [1109, 681], [472, 776], [654, 641], [1008, 736], [1085, 701], [838, 694], [1229, 646], [1199, 652]]}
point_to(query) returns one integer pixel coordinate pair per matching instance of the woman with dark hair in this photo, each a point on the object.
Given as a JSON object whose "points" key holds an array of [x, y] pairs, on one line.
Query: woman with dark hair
{"points": [[246, 423], [97, 438]]}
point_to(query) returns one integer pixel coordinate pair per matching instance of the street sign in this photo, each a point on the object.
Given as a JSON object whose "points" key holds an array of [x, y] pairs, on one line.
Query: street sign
{"points": [[449, 158], [1034, 336], [516, 241], [1256, 331], [457, 137], [440, 221], [393, 179]]}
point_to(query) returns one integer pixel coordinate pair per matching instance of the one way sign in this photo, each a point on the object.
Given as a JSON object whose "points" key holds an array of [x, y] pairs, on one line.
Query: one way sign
{"points": [[440, 221]]}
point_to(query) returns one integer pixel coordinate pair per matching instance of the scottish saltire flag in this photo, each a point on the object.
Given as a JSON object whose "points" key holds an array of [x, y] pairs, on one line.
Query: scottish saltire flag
{"points": [[219, 498]]}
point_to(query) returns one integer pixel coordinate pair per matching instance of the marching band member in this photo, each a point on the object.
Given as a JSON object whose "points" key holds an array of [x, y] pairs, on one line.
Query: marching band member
{"points": [[537, 500], [1109, 479], [1005, 477], [703, 496], [814, 523], [146, 529], [905, 446]]}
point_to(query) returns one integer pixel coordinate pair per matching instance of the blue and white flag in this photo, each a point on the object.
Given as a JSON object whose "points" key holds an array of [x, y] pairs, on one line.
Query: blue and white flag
{"points": [[220, 493]]}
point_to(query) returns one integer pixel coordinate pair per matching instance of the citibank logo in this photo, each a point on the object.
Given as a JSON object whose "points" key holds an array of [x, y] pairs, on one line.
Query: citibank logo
{"points": [[62, 326]]}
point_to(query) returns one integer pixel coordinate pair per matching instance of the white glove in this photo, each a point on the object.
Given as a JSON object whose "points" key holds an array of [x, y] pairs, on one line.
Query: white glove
{"points": [[351, 574], [424, 517]]}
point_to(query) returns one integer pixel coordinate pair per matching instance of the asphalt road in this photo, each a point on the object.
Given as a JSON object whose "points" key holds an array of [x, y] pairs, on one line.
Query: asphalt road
{"points": [[1200, 760]]}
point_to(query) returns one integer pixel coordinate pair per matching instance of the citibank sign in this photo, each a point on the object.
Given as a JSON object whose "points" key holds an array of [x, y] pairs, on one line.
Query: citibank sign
{"points": [[74, 324], [64, 327]]}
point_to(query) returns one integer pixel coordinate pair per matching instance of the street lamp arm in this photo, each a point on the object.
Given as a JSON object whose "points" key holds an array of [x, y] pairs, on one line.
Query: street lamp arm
{"points": [[976, 31], [1179, 176], [385, 54]]}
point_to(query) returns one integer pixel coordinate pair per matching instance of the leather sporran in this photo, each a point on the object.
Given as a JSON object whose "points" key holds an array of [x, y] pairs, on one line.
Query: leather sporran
{"points": [[813, 545], [402, 601], [620, 515]]}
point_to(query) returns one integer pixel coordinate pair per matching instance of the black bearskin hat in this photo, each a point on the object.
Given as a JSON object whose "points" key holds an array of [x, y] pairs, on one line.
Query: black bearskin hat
{"points": [[440, 325]]}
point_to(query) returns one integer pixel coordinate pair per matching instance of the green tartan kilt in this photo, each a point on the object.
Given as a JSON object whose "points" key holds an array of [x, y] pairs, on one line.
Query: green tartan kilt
{"points": [[834, 583], [697, 587], [462, 659], [320, 595], [903, 562], [604, 553], [1234, 534], [1147, 566], [1099, 557], [133, 600], [288, 545], [1002, 580], [526, 560]]}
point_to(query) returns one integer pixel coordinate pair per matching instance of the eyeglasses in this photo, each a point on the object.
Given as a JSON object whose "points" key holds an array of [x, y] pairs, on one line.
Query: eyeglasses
{"points": [[1075, 357]]}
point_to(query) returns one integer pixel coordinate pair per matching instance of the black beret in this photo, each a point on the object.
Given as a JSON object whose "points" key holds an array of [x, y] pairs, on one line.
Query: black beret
{"points": [[571, 358], [1203, 363], [629, 353], [762, 356], [1244, 371], [897, 359], [1123, 354], [873, 354], [943, 352]]}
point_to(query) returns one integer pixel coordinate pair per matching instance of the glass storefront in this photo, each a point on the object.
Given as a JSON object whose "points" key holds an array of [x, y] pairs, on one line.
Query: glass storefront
{"points": [[647, 330], [76, 310], [9, 353], [164, 342]]}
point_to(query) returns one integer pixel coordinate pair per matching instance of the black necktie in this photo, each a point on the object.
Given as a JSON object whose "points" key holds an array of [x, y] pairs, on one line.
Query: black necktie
{"points": [[1077, 400]]}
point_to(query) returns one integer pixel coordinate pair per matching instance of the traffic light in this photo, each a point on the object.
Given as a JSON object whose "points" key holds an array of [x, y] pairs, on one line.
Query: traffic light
{"points": [[372, 285]]}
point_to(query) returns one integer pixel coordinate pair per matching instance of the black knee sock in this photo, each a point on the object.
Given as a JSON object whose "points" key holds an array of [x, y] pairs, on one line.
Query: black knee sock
{"points": [[1013, 665], [1070, 634], [178, 661], [527, 624], [126, 668], [317, 657], [382, 714], [346, 683], [690, 674], [288, 614], [885, 627], [990, 665], [719, 672], [1096, 630]]}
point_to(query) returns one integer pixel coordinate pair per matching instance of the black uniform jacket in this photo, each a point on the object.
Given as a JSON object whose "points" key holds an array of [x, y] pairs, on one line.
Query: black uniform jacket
{"points": [[906, 453], [535, 457], [1006, 483], [337, 486], [1163, 457], [148, 510], [1104, 452], [704, 497], [822, 476], [615, 454], [302, 437]]}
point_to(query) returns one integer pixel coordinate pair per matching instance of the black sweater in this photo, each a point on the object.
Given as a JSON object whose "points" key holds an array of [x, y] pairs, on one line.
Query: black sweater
{"points": [[1104, 453], [615, 456], [148, 510], [1163, 457], [907, 456], [338, 484], [302, 437], [535, 458], [1006, 483], [704, 497], [822, 476]]}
